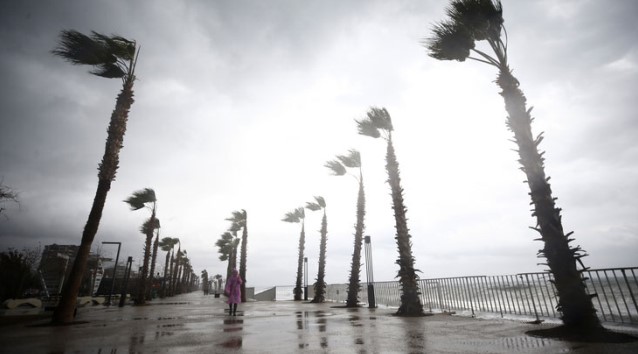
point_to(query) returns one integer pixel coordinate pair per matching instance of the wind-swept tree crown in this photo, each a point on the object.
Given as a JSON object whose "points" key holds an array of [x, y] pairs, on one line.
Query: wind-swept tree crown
{"points": [[319, 203], [139, 198], [149, 226], [238, 221], [376, 120], [295, 216], [167, 243], [469, 21], [111, 57]]}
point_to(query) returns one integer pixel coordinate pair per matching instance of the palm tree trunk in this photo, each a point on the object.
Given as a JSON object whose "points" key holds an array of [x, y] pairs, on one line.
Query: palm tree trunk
{"points": [[169, 280], [65, 310], [164, 281], [355, 271], [573, 301], [302, 242], [320, 286], [153, 261], [175, 270], [242, 260], [410, 300]]}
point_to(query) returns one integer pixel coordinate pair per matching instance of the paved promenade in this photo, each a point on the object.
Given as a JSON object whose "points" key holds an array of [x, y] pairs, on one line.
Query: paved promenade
{"points": [[194, 323]]}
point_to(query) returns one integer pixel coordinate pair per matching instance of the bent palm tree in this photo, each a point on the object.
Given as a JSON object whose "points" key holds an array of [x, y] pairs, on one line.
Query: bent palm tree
{"points": [[239, 221], [166, 245], [137, 201], [320, 285], [476, 20], [296, 216], [227, 244], [111, 57], [378, 121], [338, 168]]}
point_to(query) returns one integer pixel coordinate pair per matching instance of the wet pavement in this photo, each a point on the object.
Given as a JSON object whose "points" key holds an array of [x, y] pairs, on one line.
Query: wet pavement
{"points": [[194, 323]]}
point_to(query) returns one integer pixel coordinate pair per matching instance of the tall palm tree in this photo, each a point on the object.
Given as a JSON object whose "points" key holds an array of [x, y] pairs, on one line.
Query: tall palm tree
{"points": [[296, 216], [167, 244], [138, 200], [239, 221], [227, 244], [378, 123], [339, 168], [320, 285], [111, 57], [477, 20], [151, 277]]}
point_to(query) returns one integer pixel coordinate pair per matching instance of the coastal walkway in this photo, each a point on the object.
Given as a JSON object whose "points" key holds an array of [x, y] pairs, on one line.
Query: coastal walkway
{"points": [[194, 323]]}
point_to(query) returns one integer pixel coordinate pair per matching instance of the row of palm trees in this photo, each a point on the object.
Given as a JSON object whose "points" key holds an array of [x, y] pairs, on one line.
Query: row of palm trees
{"points": [[470, 21], [178, 271]]}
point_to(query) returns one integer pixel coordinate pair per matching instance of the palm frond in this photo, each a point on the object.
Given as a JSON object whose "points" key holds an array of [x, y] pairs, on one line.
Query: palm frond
{"points": [[320, 201], [313, 206], [117, 45], [139, 198], [291, 217], [367, 128], [450, 42], [380, 118], [78, 48], [109, 71], [300, 213], [336, 167], [352, 160], [483, 19]]}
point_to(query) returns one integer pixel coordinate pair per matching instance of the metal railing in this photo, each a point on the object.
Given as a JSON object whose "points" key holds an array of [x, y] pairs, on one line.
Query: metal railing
{"points": [[614, 291]]}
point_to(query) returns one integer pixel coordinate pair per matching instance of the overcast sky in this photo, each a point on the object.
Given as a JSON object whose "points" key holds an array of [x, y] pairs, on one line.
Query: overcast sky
{"points": [[238, 105]]}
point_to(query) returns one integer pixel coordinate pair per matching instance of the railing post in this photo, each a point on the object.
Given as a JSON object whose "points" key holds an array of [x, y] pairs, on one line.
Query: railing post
{"points": [[529, 286]]}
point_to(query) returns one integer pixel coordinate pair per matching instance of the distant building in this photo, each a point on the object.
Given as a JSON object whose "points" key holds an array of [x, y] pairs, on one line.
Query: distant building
{"points": [[55, 267]]}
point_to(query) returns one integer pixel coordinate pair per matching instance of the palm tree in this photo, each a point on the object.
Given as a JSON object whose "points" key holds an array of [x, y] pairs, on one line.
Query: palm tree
{"points": [[239, 221], [177, 269], [339, 168], [153, 261], [167, 244], [376, 124], [320, 285], [227, 244], [111, 57], [205, 287], [298, 215], [138, 200], [476, 20]]}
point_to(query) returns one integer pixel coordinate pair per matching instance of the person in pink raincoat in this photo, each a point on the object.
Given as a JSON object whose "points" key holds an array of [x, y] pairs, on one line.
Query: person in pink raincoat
{"points": [[233, 291]]}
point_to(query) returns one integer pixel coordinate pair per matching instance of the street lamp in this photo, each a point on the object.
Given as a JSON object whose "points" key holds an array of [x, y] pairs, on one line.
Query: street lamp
{"points": [[369, 275], [117, 258], [305, 278]]}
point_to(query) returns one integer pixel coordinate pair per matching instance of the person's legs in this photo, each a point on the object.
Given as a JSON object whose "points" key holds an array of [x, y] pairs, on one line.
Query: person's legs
{"points": [[234, 309], [230, 309]]}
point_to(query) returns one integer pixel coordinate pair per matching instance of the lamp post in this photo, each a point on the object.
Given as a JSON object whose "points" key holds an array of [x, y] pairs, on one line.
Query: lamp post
{"points": [[117, 258], [369, 275], [305, 278], [127, 273]]}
